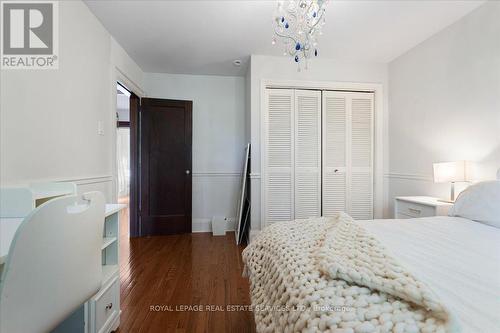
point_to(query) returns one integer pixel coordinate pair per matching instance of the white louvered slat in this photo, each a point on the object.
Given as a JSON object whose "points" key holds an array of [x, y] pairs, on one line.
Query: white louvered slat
{"points": [[334, 189], [307, 192], [278, 158], [334, 193], [279, 131], [279, 199], [335, 129], [361, 132], [361, 147], [361, 195]]}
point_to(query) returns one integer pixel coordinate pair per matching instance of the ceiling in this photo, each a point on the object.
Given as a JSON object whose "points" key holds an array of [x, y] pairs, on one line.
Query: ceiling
{"points": [[205, 36]]}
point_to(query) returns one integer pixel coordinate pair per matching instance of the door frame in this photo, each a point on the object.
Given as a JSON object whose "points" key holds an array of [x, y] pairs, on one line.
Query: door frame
{"points": [[121, 78], [379, 114]]}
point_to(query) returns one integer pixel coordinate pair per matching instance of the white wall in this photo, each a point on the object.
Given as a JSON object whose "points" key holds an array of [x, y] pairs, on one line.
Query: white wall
{"points": [[445, 104], [283, 68], [218, 138], [48, 118]]}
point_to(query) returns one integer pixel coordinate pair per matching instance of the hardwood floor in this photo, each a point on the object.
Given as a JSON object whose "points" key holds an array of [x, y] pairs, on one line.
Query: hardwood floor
{"points": [[164, 277]]}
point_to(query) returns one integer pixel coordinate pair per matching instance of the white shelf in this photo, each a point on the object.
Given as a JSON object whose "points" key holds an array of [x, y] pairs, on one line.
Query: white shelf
{"points": [[107, 241], [113, 208], [107, 272]]}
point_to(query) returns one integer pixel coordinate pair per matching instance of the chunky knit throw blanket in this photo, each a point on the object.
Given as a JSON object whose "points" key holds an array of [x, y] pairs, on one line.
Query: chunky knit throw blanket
{"points": [[331, 275]]}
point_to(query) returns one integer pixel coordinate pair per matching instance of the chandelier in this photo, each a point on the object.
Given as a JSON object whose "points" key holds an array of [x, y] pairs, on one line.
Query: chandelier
{"points": [[298, 24]]}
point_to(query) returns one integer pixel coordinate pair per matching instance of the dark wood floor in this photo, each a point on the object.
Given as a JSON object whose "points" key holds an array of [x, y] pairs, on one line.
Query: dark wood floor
{"points": [[162, 278]]}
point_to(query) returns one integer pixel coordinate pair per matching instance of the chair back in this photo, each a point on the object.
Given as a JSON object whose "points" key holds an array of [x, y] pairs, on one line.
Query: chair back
{"points": [[53, 265]]}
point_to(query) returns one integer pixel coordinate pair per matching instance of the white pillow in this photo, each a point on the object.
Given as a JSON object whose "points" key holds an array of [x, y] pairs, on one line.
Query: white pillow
{"points": [[479, 202]]}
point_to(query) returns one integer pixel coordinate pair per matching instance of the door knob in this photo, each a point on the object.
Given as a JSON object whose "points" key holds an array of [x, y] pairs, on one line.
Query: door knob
{"points": [[188, 172]]}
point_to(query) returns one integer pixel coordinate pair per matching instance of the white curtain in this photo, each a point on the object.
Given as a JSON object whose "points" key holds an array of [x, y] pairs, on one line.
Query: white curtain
{"points": [[123, 160]]}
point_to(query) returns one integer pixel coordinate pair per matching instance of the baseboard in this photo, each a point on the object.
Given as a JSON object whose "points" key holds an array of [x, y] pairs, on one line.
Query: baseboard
{"points": [[216, 174], [254, 233], [205, 224]]}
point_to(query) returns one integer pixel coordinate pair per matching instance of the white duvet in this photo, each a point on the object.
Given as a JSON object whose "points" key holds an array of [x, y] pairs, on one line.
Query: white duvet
{"points": [[458, 258]]}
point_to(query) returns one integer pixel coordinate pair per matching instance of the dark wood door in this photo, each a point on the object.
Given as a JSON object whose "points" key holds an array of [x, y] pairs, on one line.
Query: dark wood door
{"points": [[165, 141]]}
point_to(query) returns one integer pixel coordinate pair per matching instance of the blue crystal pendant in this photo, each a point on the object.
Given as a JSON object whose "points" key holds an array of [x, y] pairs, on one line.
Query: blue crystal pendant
{"points": [[286, 25], [296, 58], [282, 19], [314, 14], [297, 46], [315, 52]]}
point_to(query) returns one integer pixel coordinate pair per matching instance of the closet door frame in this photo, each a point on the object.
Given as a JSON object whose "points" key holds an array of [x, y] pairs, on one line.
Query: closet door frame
{"points": [[378, 134]]}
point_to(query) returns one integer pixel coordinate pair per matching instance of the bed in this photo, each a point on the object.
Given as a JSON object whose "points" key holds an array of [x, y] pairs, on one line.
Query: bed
{"points": [[457, 258]]}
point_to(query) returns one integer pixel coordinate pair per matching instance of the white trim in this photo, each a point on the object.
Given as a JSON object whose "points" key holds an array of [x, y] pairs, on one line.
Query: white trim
{"points": [[378, 112], [255, 175], [409, 176], [253, 233], [77, 180], [89, 180], [128, 82], [205, 224], [122, 78], [216, 174]]}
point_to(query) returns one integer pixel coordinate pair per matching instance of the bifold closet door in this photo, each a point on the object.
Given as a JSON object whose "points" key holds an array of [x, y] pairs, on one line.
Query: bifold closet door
{"points": [[348, 154], [278, 155], [307, 139], [361, 163], [334, 194]]}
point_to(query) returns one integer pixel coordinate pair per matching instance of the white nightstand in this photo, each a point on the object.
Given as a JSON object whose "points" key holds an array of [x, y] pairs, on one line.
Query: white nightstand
{"points": [[412, 207]]}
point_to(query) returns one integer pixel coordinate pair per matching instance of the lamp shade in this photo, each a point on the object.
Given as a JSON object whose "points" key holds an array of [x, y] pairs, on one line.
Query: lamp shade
{"points": [[449, 172]]}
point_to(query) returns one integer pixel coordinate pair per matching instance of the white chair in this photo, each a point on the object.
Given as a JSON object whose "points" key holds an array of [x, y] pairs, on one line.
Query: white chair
{"points": [[53, 265]]}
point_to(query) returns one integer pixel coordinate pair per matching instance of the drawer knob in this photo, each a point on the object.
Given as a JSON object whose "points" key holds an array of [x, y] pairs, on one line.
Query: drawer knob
{"points": [[109, 306]]}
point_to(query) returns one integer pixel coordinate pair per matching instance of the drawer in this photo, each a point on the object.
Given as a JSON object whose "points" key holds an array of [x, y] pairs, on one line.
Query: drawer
{"points": [[414, 210], [106, 306], [401, 216]]}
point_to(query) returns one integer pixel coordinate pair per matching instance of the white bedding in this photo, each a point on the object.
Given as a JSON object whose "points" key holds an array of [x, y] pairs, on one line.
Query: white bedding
{"points": [[458, 258]]}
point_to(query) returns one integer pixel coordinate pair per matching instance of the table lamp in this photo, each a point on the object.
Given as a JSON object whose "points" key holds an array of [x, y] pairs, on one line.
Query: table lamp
{"points": [[452, 172]]}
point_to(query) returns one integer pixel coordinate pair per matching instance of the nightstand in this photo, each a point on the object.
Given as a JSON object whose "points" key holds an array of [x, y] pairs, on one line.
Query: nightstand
{"points": [[412, 207]]}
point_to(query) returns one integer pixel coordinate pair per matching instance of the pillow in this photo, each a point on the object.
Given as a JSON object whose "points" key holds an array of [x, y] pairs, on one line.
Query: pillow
{"points": [[479, 202]]}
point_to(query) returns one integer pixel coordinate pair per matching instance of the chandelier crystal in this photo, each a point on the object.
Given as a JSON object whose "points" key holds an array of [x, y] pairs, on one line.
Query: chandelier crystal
{"points": [[298, 24]]}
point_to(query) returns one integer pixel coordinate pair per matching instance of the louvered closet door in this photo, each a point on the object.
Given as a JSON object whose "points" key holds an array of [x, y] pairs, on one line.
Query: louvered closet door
{"points": [[278, 155], [348, 154], [334, 193], [307, 175], [361, 164]]}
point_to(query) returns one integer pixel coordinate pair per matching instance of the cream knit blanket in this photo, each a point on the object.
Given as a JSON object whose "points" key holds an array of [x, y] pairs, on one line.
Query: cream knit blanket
{"points": [[331, 275]]}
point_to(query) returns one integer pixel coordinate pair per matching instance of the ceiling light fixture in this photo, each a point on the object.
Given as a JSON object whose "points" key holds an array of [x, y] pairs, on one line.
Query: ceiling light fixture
{"points": [[298, 24], [237, 62]]}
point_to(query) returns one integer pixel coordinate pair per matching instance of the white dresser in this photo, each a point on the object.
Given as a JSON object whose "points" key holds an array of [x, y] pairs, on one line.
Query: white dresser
{"points": [[419, 206]]}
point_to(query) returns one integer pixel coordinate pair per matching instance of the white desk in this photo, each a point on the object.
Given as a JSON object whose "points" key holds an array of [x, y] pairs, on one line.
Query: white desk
{"points": [[113, 208], [9, 226]]}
